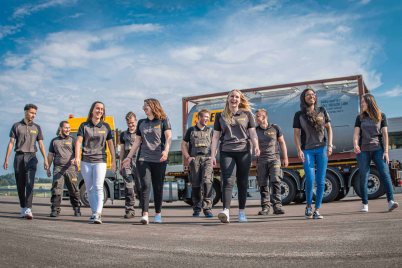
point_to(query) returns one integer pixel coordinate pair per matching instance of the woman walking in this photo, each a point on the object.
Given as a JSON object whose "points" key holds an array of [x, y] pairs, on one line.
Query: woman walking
{"points": [[234, 127], [154, 136], [93, 135], [312, 149], [370, 141]]}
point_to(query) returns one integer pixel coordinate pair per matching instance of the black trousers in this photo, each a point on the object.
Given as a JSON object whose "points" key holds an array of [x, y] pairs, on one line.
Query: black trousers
{"points": [[61, 176], [235, 165], [155, 173], [25, 170], [270, 175]]}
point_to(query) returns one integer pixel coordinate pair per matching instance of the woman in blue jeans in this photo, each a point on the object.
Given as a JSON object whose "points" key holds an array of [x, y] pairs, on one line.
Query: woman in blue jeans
{"points": [[369, 138], [309, 126]]}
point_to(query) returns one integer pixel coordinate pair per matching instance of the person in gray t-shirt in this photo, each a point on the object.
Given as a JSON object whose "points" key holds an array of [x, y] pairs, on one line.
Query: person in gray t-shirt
{"points": [[25, 134], [62, 153]]}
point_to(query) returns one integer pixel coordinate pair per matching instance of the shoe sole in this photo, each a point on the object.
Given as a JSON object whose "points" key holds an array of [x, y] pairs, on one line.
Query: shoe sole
{"points": [[97, 222], [318, 218], [158, 222], [363, 210], [223, 218], [145, 222], [263, 213], [279, 213], [28, 217], [242, 221], [308, 217], [209, 216], [394, 206]]}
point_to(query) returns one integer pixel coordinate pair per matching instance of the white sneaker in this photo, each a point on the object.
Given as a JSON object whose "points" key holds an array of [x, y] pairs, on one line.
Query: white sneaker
{"points": [[97, 219], [144, 219], [28, 214], [392, 205], [242, 217], [365, 208], [23, 213], [224, 216]]}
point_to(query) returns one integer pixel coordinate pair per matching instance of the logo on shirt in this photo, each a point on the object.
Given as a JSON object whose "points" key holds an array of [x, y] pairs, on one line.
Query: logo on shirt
{"points": [[271, 133], [33, 131], [129, 147], [101, 131], [276, 166], [67, 143], [241, 119], [320, 118], [158, 126], [74, 179]]}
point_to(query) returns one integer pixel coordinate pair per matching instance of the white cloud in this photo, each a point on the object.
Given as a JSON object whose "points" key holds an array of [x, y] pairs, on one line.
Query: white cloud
{"points": [[9, 30], [364, 2], [27, 10], [395, 92]]}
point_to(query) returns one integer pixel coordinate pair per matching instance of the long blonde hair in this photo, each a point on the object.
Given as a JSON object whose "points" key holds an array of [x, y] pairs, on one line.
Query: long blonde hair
{"points": [[244, 105], [372, 109]]}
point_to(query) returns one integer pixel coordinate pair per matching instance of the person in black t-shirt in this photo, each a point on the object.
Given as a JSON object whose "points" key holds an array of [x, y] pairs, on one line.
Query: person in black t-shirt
{"points": [[371, 144], [311, 122]]}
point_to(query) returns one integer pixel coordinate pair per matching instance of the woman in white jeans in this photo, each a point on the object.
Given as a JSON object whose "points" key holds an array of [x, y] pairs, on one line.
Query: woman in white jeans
{"points": [[93, 135]]}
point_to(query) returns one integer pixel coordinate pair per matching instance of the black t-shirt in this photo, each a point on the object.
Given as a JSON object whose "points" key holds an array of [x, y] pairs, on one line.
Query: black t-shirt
{"points": [[268, 142], [234, 135], [311, 138], [26, 136], [63, 150], [370, 133], [152, 134]]}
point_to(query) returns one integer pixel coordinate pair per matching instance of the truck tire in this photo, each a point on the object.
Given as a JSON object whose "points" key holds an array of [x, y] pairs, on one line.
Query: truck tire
{"points": [[342, 194], [216, 194], [84, 197], [288, 190], [375, 187], [331, 188]]}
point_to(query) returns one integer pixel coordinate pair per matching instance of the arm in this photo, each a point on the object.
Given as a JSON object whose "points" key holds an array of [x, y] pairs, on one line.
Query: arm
{"points": [[168, 138], [43, 152], [214, 146], [384, 131], [356, 140], [284, 151], [113, 153], [329, 131], [9, 150], [254, 140], [184, 149], [78, 144], [296, 136], [49, 163], [121, 155], [133, 149]]}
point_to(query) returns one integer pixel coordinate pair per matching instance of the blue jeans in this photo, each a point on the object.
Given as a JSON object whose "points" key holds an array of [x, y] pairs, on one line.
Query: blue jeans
{"points": [[363, 161], [311, 158]]}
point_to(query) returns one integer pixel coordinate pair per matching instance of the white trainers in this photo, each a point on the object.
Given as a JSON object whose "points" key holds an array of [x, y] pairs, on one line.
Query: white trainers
{"points": [[242, 217], [392, 205], [97, 219], [224, 216], [23, 213], [28, 214], [144, 219], [365, 208]]}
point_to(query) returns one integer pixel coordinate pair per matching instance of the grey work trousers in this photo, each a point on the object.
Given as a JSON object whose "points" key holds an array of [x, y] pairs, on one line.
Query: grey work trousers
{"points": [[201, 176], [71, 179], [270, 175]]}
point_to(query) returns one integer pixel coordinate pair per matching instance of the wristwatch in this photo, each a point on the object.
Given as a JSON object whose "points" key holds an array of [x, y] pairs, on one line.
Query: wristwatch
{"points": [[331, 145]]}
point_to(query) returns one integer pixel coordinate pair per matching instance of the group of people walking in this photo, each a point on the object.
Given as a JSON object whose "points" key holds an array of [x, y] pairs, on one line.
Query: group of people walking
{"points": [[145, 146]]}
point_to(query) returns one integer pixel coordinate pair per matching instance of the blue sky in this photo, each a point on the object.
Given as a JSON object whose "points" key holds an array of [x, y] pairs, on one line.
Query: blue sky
{"points": [[64, 54]]}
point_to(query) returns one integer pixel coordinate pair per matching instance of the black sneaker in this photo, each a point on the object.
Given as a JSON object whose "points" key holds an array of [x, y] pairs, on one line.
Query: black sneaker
{"points": [[54, 213], [279, 211], [129, 215], [309, 213], [264, 211], [196, 214], [208, 214], [77, 212], [317, 215]]}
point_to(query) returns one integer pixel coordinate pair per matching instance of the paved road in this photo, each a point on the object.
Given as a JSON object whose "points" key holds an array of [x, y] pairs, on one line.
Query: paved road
{"points": [[344, 238]]}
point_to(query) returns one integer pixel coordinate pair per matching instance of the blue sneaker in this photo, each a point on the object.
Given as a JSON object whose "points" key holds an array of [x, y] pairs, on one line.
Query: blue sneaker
{"points": [[208, 214], [242, 217], [196, 214], [158, 219]]}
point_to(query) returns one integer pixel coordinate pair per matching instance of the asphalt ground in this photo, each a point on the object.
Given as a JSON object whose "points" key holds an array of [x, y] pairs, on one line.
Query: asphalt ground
{"points": [[344, 238]]}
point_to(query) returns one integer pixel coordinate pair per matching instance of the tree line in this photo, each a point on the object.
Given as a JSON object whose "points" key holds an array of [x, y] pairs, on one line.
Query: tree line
{"points": [[9, 179]]}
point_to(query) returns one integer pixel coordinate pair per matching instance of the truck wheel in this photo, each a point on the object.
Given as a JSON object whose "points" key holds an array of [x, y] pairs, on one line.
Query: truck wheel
{"points": [[331, 188], [342, 194], [375, 187], [288, 190], [84, 197], [216, 192]]}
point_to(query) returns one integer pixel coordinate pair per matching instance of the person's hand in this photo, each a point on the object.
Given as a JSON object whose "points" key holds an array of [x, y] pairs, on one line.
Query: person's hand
{"points": [[5, 164], [164, 156], [357, 149], [114, 167], [190, 159], [329, 151], [386, 157], [300, 154], [257, 151], [125, 163], [213, 161], [285, 162], [45, 165], [49, 173], [77, 162]]}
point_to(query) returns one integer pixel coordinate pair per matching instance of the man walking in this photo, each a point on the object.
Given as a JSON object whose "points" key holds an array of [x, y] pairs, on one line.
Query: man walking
{"points": [[62, 152], [198, 139], [269, 172], [25, 134], [130, 173]]}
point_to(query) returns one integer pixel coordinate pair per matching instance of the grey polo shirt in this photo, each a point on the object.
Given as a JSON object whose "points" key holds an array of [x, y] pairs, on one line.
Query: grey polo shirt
{"points": [[370, 133], [196, 137], [128, 140], [234, 135], [94, 141], [26, 136], [152, 134], [268, 142], [311, 138], [63, 150]]}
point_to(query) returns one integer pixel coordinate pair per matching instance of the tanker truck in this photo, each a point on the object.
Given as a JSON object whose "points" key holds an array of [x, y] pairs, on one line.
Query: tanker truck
{"points": [[340, 96]]}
